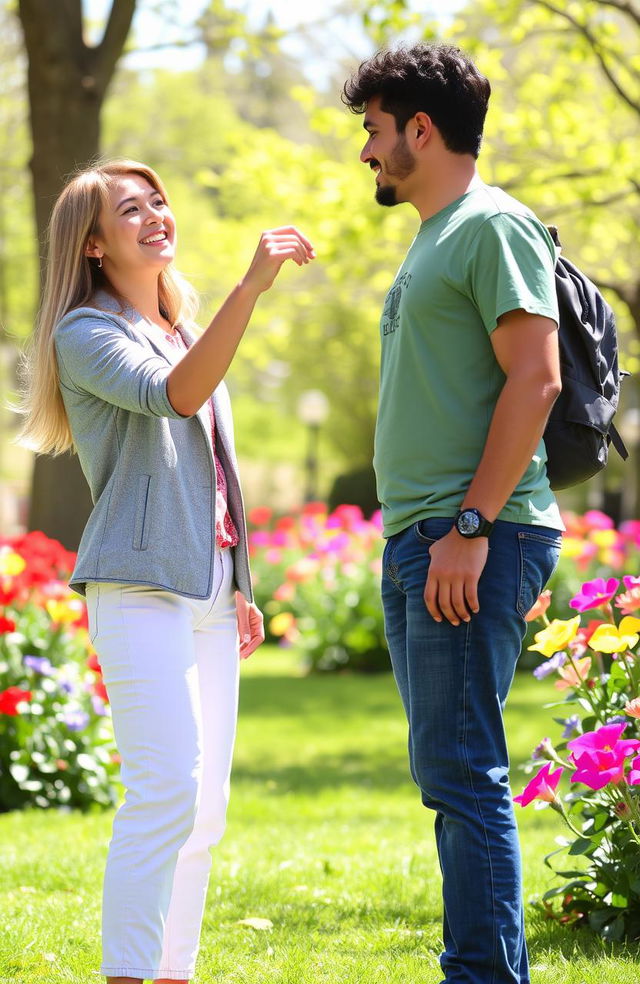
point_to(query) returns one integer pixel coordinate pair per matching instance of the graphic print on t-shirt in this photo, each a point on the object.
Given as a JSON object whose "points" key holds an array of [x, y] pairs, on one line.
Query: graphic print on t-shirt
{"points": [[390, 315]]}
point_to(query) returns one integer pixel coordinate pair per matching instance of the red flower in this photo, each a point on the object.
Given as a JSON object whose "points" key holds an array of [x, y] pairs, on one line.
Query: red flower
{"points": [[10, 698], [6, 625], [93, 664], [260, 516], [314, 509], [285, 523], [100, 690]]}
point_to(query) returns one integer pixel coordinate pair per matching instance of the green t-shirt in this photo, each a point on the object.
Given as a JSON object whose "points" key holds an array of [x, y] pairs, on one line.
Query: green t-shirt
{"points": [[483, 255]]}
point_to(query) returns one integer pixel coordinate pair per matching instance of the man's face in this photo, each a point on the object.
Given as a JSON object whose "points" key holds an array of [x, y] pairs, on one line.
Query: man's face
{"points": [[387, 154]]}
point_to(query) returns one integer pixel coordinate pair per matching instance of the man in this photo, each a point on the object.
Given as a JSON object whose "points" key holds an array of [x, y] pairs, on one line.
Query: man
{"points": [[469, 372]]}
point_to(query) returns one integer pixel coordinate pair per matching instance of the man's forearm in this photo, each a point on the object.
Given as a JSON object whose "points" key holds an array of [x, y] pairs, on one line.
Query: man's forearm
{"points": [[515, 431]]}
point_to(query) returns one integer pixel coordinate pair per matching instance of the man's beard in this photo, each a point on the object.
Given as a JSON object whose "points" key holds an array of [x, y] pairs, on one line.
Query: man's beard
{"points": [[401, 165]]}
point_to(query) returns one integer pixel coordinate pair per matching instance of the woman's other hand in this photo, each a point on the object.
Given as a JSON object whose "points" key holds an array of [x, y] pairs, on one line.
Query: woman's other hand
{"points": [[250, 626], [276, 246]]}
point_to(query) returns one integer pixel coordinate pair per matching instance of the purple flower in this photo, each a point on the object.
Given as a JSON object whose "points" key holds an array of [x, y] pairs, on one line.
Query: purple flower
{"points": [[39, 664], [550, 666], [99, 706], [76, 720], [570, 725]]}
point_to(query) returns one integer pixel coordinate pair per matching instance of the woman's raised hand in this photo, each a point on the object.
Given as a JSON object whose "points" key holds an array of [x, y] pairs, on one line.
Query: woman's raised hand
{"points": [[276, 246]]}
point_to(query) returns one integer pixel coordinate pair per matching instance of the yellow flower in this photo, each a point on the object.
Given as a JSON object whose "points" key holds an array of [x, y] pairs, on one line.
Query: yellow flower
{"points": [[11, 563], [281, 623], [66, 611], [605, 538], [616, 638], [556, 636], [572, 547]]}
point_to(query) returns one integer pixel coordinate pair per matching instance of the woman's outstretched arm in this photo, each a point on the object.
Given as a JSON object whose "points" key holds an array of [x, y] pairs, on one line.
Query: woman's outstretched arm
{"points": [[192, 381]]}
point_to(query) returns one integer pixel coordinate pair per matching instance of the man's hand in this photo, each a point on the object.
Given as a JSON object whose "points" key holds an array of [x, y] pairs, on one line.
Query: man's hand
{"points": [[250, 626], [456, 564]]}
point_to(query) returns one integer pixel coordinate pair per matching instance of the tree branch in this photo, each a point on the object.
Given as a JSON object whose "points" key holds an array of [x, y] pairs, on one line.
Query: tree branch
{"points": [[625, 7], [107, 53], [597, 49]]}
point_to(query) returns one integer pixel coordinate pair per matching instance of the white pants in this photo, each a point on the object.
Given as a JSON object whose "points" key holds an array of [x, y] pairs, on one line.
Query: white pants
{"points": [[170, 665]]}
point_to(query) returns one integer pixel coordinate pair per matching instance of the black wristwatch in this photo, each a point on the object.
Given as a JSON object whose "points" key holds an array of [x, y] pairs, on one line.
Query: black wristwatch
{"points": [[470, 523]]}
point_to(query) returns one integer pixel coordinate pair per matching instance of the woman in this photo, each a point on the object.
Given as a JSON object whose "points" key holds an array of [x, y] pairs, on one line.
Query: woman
{"points": [[118, 374]]}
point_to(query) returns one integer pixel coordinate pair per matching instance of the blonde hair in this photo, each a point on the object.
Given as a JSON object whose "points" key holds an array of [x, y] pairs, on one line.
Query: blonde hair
{"points": [[71, 281]]}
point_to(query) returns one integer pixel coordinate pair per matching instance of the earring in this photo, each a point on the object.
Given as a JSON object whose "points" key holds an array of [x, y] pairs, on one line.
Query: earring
{"points": [[99, 263]]}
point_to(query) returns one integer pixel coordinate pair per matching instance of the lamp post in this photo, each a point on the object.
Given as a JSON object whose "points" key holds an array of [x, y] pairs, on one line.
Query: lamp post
{"points": [[313, 409], [630, 433]]}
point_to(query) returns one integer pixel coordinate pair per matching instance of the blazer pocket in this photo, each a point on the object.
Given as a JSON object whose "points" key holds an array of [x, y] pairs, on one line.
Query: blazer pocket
{"points": [[141, 522]]}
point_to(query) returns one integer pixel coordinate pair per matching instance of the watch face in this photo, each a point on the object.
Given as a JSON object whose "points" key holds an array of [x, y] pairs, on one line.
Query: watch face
{"points": [[468, 523]]}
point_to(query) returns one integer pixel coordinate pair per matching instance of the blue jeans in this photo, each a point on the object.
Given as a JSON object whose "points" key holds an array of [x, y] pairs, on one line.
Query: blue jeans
{"points": [[454, 681]]}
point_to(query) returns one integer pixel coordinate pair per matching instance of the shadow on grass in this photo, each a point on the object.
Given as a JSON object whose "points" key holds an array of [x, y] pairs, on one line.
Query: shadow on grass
{"points": [[546, 935]]}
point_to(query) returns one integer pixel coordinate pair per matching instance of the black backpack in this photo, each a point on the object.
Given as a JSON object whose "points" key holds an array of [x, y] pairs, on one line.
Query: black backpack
{"points": [[580, 426]]}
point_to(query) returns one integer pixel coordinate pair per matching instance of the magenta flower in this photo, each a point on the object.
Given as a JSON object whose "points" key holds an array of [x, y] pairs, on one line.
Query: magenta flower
{"points": [[543, 787], [604, 739], [594, 519], [634, 775], [600, 756], [631, 582], [609, 767], [594, 594]]}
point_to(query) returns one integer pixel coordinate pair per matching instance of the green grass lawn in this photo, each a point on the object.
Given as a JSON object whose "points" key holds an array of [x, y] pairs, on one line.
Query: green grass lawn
{"points": [[326, 838]]}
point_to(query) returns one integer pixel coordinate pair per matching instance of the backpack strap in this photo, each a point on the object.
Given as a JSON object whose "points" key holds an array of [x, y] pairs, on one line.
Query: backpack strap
{"points": [[618, 443]]}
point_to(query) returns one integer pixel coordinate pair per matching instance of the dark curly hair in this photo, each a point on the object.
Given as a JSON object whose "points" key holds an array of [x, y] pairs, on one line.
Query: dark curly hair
{"points": [[436, 79]]}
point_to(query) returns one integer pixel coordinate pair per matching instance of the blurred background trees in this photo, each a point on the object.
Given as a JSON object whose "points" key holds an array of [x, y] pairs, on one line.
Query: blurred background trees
{"points": [[248, 132]]}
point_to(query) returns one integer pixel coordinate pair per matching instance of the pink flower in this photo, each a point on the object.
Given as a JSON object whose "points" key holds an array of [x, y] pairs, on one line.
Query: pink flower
{"points": [[604, 739], [543, 787], [629, 601], [578, 645], [540, 607], [596, 775], [285, 592], [632, 707], [594, 594], [261, 538], [348, 515], [572, 673], [634, 775], [594, 519], [630, 530], [600, 756]]}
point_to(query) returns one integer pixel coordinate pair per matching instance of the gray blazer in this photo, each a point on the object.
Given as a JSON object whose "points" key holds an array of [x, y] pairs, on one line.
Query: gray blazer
{"points": [[151, 471]]}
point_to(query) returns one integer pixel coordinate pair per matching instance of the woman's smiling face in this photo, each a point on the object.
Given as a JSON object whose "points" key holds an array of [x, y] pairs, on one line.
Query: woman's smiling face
{"points": [[136, 227]]}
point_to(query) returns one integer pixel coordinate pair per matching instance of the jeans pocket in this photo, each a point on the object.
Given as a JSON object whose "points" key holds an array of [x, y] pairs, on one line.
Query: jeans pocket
{"points": [[431, 530], [539, 555]]}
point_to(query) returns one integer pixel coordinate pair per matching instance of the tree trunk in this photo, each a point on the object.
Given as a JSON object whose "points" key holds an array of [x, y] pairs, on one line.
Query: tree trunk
{"points": [[67, 83]]}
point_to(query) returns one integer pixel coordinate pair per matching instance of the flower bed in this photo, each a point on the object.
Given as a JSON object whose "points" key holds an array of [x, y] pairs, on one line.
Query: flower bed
{"points": [[597, 669], [317, 578], [56, 739]]}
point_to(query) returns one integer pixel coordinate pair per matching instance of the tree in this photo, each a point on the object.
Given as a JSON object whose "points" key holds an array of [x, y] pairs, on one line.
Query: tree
{"points": [[67, 83]]}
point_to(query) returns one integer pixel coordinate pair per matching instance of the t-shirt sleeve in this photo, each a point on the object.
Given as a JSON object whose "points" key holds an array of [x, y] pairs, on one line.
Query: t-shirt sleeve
{"points": [[96, 356], [510, 265]]}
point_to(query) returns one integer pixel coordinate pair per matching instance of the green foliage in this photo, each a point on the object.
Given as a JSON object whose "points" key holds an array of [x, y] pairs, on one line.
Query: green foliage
{"points": [[228, 180]]}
